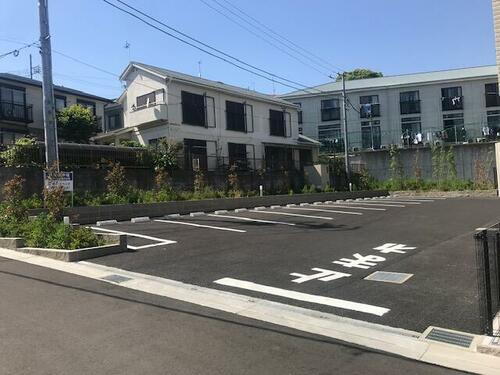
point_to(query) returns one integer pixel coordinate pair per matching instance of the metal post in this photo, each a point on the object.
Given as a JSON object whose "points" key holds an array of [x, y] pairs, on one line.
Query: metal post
{"points": [[346, 141], [31, 67], [49, 119]]}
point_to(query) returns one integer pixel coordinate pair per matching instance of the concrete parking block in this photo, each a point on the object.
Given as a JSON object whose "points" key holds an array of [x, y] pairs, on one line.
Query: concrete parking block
{"points": [[141, 219], [106, 222], [291, 205], [172, 215], [274, 207], [194, 214], [240, 210], [304, 204], [261, 208], [220, 212]]}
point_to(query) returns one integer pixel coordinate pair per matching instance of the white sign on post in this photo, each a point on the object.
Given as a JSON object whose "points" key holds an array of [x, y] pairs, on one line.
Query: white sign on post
{"points": [[65, 179]]}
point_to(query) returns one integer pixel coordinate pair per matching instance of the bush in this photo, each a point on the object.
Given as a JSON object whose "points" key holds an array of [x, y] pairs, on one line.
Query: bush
{"points": [[46, 232], [21, 154], [13, 195], [115, 180]]}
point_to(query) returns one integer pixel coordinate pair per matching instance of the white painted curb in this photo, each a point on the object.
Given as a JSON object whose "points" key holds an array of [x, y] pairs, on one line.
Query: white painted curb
{"points": [[291, 205], [220, 212], [274, 207], [240, 210], [304, 204], [317, 203], [194, 214], [261, 208], [172, 216], [141, 219], [106, 222]]}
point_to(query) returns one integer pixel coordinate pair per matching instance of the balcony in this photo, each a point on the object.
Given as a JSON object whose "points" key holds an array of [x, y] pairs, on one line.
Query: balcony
{"points": [[151, 114], [16, 112], [452, 104], [369, 111], [409, 107], [492, 100]]}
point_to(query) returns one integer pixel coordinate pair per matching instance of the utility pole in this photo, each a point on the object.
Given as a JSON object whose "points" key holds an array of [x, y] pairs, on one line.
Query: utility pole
{"points": [[346, 139], [49, 118]]}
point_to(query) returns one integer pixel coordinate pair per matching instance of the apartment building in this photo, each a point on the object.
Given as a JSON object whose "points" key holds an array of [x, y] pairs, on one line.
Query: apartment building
{"points": [[218, 124], [21, 111], [452, 106]]}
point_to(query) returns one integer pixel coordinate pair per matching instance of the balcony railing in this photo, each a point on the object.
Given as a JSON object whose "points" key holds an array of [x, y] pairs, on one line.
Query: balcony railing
{"points": [[409, 107], [16, 112], [369, 111], [492, 100], [452, 103]]}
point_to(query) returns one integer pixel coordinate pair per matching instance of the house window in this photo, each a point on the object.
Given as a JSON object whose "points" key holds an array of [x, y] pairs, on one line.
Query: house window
{"points": [[299, 113], [14, 95], [114, 122], [87, 104], [369, 106], [493, 123], [146, 100], [409, 102], [237, 155], [193, 109], [370, 134], [453, 128], [60, 102], [491, 94], [277, 123], [195, 154], [330, 110], [451, 98], [235, 116]]}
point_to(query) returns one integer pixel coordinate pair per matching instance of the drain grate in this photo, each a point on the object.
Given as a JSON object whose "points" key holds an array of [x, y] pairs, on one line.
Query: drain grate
{"points": [[453, 338], [389, 277], [116, 278]]}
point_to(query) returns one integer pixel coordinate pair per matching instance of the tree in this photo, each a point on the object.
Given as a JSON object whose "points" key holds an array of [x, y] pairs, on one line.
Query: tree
{"points": [[360, 74], [76, 124], [165, 154]]}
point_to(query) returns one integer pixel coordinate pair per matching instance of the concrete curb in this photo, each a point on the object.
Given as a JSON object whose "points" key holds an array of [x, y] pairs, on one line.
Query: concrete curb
{"points": [[106, 222], [141, 219]]}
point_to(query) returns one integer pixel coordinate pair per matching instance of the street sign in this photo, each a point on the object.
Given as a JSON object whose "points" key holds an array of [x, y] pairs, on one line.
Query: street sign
{"points": [[65, 179]]}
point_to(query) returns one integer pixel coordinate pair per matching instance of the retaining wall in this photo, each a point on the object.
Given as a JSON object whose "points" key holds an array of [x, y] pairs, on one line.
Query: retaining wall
{"points": [[121, 212]]}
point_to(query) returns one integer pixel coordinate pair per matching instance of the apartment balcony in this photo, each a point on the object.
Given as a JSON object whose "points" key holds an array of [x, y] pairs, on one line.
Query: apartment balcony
{"points": [[409, 107], [492, 100], [16, 112], [151, 114], [369, 111], [452, 104]]}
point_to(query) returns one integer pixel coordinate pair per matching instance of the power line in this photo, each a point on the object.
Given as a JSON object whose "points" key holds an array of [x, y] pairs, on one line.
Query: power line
{"points": [[259, 36], [15, 52], [204, 50], [281, 36]]}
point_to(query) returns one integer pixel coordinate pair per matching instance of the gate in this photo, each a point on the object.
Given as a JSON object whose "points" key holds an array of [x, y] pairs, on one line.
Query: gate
{"points": [[488, 273]]}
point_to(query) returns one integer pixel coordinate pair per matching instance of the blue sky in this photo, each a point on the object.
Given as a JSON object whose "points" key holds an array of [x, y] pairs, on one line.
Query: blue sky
{"points": [[392, 36]]}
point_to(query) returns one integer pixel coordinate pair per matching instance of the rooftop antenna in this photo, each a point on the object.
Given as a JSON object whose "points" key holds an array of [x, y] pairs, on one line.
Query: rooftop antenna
{"points": [[199, 68], [127, 46]]}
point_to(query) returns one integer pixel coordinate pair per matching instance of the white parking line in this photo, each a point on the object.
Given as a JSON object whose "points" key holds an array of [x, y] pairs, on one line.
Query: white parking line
{"points": [[351, 207], [323, 210], [201, 225], [290, 214], [255, 220], [374, 204], [333, 302], [160, 241]]}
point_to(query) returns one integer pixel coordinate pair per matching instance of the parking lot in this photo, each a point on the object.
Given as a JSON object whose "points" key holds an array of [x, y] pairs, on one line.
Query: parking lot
{"points": [[318, 256]]}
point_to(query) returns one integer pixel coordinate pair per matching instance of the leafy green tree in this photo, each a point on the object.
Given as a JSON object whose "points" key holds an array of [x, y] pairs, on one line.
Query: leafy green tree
{"points": [[165, 154], [76, 124], [360, 74]]}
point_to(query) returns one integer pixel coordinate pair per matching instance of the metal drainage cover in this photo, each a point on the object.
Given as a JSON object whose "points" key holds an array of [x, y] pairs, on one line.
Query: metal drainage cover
{"points": [[116, 278], [389, 277], [453, 338]]}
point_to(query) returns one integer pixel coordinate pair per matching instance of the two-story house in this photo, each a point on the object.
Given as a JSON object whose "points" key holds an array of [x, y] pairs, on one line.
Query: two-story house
{"points": [[21, 101], [218, 124], [451, 106]]}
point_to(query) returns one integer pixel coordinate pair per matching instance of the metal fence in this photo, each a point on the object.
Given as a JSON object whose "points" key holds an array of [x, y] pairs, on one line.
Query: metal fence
{"points": [[487, 244]]}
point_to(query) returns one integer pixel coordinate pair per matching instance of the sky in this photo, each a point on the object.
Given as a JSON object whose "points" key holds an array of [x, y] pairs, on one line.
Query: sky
{"points": [[391, 36]]}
